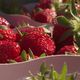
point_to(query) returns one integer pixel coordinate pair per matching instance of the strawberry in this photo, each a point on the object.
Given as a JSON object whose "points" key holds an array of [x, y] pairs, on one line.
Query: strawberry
{"points": [[7, 35], [28, 30], [70, 49], [39, 43], [18, 59], [45, 16], [4, 22], [58, 32], [8, 50]]}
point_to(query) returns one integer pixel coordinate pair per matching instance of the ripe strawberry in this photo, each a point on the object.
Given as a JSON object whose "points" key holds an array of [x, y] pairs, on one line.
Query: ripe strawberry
{"points": [[4, 22], [58, 32], [28, 30], [7, 35], [8, 50], [18, 59], [45, 16], [68, 49], [39, 43]]}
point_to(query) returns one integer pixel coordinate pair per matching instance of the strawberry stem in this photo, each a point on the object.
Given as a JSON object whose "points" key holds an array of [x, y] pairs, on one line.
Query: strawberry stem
{"points": [[31, 54], [19, 32]]}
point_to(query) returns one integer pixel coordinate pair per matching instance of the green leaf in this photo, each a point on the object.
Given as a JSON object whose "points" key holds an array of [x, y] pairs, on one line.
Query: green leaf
{"points": [[43, 55], [31, 54], [73, 7], [53, 74], [3, 27], [43, 69], [56, 5], [63, 21], [32, 76], [72, 76], [24, 55], [76, 25], [63, 72], [73, 10]]}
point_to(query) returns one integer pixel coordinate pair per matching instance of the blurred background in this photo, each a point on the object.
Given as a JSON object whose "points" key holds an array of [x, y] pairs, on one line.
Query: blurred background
{"points": [[13, 6]]}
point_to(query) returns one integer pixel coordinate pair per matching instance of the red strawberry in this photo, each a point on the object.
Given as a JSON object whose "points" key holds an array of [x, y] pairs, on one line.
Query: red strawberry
{"points": [[28, 30], [7, 35], [4, 22], [39, 43], [45, 16], [58, 32], [18, 59], [68, 49], [8, 50]]}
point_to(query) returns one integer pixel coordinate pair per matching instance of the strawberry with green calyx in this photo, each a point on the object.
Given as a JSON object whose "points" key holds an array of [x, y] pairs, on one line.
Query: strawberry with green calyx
{"points": [[21, 30], [45, 16], [39, 43], [33, 34], [58, 32], [8, 51], [28, 29], [24, 56], [68, 28], [24, 30], [74, 24], [63, 9]]}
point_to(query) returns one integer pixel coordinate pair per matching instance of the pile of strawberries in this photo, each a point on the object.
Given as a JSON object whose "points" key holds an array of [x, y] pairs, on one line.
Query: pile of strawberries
{"points": [[24, 44], [32, 42]]}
